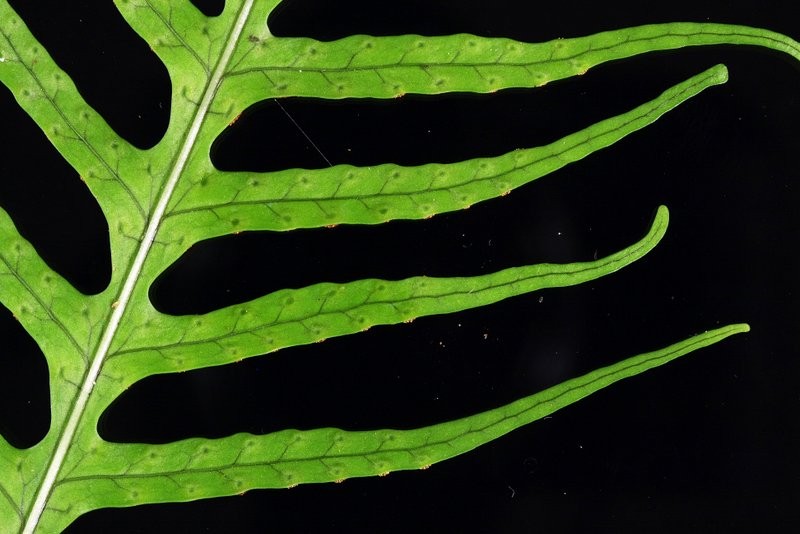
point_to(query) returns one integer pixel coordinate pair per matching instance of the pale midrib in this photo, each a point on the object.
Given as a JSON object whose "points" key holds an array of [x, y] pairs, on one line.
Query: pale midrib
{"points": [[66, 437]]}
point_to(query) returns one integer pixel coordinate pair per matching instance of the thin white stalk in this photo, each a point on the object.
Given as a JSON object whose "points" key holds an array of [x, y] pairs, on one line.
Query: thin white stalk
{"points": [[65, 441]]}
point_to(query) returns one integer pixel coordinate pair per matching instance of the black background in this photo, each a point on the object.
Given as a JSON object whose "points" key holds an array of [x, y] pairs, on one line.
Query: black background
{"points": [[706, 444]]}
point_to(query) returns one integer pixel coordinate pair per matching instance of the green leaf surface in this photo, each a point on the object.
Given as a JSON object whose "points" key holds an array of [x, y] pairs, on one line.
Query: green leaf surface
{"points": [[226, 202], [161, 201], [202, 468], [309, 315]]}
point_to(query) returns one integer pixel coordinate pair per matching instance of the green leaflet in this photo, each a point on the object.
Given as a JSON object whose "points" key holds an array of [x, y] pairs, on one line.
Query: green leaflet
{"points": [[161, 201], [298, 317], [198, 468], [225, 202]]}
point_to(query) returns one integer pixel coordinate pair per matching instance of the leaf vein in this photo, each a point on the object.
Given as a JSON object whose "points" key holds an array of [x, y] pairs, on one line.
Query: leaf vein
{"points": [[168, 24], [89, 146], [83, 351]]}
